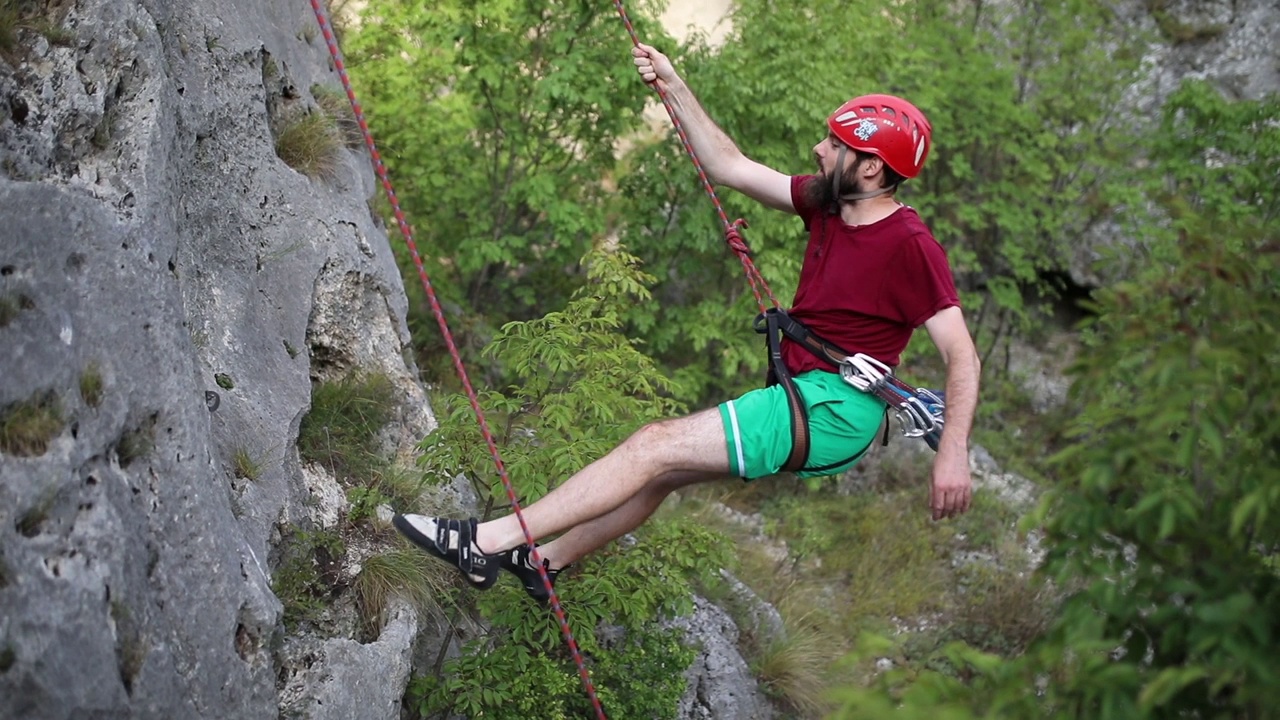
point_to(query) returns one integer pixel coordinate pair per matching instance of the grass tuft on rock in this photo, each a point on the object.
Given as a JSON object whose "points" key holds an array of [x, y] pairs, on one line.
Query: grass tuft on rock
{"points": [[404, 571], [334, 103], [794, 669], [27, 428], [135, 445], [311, 144], [30, 15], [340, 432], [12, 305], [91, 386], [244, 465]]}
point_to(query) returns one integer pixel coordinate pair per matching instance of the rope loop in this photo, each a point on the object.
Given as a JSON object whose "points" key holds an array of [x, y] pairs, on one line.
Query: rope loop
{"points": [[733, 236]]}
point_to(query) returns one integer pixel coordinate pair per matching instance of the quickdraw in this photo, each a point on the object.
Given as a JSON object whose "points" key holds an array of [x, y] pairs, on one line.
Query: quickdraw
{"points": [[919, 411]]}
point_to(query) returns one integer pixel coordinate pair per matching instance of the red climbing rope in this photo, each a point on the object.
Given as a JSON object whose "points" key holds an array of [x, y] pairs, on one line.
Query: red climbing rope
{"points": [[325, 27], [732, 230]]}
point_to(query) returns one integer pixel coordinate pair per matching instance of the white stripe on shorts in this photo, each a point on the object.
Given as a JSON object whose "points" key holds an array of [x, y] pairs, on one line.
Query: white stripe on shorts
{"points": [[737, 439]]}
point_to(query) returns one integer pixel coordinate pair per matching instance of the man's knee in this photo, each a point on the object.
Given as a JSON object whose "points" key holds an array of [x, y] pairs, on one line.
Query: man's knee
{"points": [[653, 435]]}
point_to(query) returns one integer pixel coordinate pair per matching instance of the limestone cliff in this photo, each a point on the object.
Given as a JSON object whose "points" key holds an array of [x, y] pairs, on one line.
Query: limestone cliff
{"points": [[158, 258]]}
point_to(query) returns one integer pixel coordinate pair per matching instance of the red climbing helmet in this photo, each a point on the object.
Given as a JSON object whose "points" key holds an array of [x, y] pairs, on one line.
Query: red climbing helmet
{"points": [[886, 126]]}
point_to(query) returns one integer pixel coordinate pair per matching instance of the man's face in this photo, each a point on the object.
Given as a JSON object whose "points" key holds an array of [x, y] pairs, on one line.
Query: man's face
{"points": [[826, 152]]}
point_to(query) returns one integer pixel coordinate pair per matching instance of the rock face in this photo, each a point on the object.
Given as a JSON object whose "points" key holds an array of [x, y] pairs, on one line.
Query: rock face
{"points": [[721, 685], [154, 249], [1233, 43]]}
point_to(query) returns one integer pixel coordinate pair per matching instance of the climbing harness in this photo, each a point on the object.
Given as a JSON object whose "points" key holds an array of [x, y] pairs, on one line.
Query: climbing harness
{"points": [[339, 64], [919, 411]]}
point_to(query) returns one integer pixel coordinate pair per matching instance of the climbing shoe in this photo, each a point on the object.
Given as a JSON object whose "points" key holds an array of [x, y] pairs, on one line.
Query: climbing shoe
{"points": [[519, 561], [453, 541]]}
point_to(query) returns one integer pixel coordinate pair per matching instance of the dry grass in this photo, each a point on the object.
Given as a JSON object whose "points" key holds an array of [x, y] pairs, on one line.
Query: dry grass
{"points": [[311, 144], [406, 572], [334, 103], [1002, 610], [795, 668]]}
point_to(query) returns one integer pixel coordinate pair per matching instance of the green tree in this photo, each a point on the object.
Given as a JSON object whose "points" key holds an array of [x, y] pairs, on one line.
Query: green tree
{"points": [[579, 387], [1162, 528], [499, 119]]}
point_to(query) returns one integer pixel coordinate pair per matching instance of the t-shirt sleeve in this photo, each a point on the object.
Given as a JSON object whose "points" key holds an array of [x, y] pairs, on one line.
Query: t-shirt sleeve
{"points": [[924, 284], [798, 200]]}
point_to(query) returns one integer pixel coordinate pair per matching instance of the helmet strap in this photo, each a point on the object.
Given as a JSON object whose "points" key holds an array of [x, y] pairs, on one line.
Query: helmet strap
{"points": [[850, 197], [835, 181]]}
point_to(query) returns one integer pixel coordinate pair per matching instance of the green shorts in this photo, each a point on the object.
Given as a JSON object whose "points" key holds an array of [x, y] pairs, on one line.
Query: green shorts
{"points": [[843, 422]]}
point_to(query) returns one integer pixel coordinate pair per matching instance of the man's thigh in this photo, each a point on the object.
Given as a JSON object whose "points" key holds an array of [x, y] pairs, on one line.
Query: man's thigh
{"points": [[693, 443]]}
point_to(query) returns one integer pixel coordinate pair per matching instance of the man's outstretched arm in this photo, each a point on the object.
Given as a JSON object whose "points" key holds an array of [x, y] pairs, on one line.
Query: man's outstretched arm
{"points": [[724, 162], [952, 484]]}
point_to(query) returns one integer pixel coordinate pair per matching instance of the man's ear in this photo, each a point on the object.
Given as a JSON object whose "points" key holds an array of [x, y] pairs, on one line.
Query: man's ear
{"points": [[873, 167]]}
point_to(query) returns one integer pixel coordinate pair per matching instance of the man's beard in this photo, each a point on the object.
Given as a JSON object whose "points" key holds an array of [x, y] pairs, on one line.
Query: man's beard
{"points": [[819, 193]]}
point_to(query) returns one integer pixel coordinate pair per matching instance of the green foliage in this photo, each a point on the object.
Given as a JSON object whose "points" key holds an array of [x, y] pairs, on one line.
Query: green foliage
{"points": [[305, 574], [224, 381], [340, 431], [27, 427], [523, 663], [1161, 532], [364, 502], [579, 387], [504, 117]]}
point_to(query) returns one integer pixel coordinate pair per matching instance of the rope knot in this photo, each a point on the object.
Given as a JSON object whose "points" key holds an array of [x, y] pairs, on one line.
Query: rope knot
{"points": [[733, 237]]}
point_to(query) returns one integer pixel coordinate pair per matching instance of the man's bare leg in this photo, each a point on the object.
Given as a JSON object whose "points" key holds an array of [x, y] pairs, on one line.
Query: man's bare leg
{"points": [[594, 534], [656, 459]]}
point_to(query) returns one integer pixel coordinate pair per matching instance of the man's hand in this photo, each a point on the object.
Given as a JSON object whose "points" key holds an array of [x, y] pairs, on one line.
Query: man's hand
{"points": [[952, 485], [653, 65]]}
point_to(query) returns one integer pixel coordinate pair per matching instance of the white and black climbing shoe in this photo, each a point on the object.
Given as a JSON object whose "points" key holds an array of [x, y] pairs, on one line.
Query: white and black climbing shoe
{"points": [[453, 541], [519, 561]]}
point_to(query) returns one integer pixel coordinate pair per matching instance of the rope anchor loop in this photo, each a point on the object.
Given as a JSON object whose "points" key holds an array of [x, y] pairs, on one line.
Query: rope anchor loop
{"points": [[733, 236]]}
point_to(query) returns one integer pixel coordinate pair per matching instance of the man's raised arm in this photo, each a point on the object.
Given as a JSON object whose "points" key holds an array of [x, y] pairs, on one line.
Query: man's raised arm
{"points": [[724, 162]]}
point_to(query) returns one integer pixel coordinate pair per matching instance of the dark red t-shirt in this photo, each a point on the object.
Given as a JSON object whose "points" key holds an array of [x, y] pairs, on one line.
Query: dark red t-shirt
{"points": [[866, 287]]}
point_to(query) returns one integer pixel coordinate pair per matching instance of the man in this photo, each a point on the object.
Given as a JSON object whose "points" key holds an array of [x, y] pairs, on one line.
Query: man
{"points": [[872, 273]]}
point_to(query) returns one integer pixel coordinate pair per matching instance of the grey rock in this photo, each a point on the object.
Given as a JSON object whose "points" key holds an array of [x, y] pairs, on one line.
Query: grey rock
{"points": [[153, 236], [721, 685], [129, 587], [340, 679]]}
